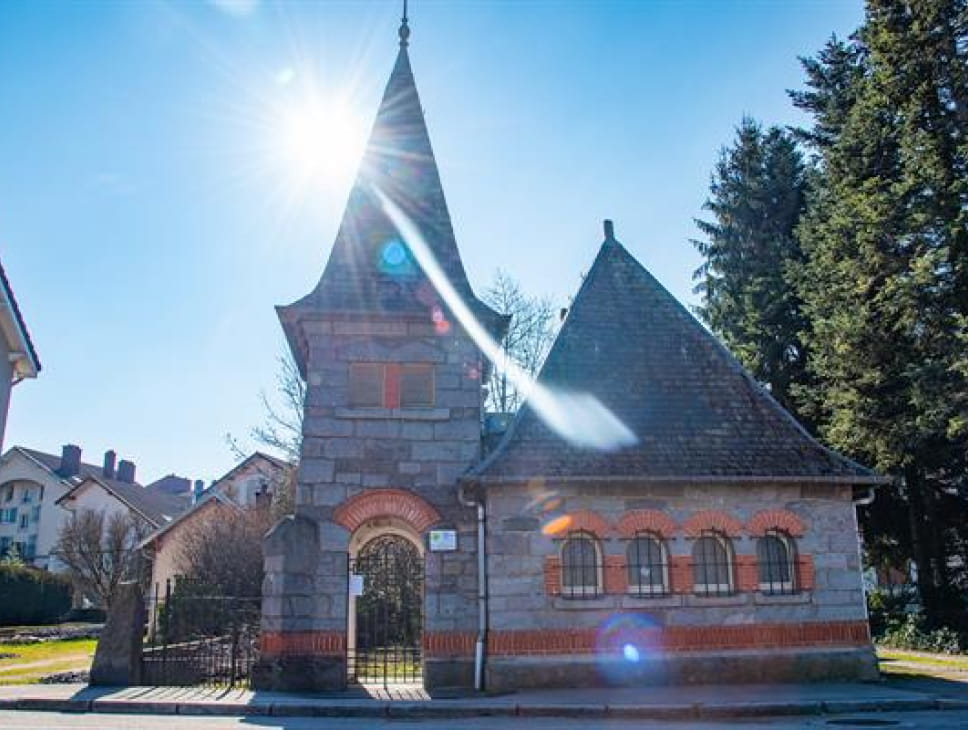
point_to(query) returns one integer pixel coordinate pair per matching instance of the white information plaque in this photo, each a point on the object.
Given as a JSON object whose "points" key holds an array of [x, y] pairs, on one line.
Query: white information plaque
{"points": [[442, 541], [356, 585]]}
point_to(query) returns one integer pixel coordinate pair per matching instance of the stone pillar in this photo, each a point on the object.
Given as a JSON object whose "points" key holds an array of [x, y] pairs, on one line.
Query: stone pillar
{"points": [[117, 661], [303, 642]]}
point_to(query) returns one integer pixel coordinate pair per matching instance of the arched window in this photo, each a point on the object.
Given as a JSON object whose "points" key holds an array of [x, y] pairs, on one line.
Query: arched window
{"points": [[581, 566], [774, 554], [712, 565], [648, 566]]}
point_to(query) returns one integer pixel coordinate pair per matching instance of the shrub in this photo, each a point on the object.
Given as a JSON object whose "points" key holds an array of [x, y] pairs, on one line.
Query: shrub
{"points": [[32, 596], [910, 633]]}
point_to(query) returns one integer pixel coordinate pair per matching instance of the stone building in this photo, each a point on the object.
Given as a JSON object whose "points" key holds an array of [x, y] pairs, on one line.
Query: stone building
{"points": [[651, 514]]}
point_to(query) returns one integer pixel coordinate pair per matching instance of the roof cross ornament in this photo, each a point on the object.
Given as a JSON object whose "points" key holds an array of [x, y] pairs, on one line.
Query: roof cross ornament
{"points": [[404, 31]]}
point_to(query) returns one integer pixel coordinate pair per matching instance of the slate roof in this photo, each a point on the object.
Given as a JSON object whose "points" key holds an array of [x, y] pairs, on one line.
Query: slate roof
{"points": [[18, 317], [370, 271], [52, 463], [697, 415], [155, 506]]}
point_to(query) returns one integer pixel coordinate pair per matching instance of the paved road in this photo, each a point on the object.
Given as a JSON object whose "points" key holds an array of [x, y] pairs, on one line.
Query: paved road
{"points": [[9, 720]]}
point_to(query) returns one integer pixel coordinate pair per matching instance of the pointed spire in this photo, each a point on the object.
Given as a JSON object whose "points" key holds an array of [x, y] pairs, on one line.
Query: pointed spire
{"points": [[404, 31], [369, 271]]}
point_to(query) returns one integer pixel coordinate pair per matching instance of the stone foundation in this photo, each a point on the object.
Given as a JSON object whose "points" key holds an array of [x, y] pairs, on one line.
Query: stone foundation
{"points": [[300, 673], [733, 667]]}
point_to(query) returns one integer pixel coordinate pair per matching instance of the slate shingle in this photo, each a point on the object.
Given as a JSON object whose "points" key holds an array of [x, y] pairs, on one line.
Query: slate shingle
{"points": [[697, 414]]}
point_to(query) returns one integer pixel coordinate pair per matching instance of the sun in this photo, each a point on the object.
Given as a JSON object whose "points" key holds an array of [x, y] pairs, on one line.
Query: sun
{"points": [[319, 141]]}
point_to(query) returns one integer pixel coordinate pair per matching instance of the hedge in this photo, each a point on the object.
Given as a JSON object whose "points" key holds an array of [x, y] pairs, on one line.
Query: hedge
{"points": [[31, 596]]}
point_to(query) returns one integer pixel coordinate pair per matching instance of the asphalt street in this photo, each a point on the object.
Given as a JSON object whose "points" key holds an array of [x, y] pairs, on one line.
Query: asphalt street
{"points": [[18, 720]]}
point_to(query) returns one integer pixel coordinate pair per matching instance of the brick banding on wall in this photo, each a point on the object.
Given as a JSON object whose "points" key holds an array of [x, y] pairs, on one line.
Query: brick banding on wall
{"points": [[685, 638], [747, 574], [804, 573], [448, 643], [646, 520], [552, 576], [712, 520], [407, 506], [278, 643], [775, 519]]}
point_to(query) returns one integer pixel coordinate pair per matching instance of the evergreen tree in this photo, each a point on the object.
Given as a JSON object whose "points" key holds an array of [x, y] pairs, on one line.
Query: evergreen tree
{"points": [[757, 193], [884, 281]]}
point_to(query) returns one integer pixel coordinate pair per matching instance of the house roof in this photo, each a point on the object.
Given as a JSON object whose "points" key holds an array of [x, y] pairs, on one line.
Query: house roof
{"points": [[697, 415], [156, 507], [171, 484], [52, 463], [29, 365], [272, 461], [202, 504], [371, 271]]}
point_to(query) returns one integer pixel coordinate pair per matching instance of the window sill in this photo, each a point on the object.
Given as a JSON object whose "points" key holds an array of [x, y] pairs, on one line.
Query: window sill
{"points": [[577, 603], [765, 599], [631, 600], [739, 599], [400, 414]]}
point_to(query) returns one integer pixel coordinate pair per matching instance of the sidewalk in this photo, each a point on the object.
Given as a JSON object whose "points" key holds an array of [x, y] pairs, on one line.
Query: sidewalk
{"points": [[657, 703]]}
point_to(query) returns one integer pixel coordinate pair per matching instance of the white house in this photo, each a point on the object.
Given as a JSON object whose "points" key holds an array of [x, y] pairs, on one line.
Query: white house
{"points": [[18, 358]]}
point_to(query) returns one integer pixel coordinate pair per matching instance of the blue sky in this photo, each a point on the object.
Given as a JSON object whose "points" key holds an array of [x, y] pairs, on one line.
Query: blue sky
{"points": [[153, 208]]}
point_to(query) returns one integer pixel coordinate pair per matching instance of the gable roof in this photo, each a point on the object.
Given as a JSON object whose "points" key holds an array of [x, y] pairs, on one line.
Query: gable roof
{"points": [[696, 413], [28, 365], [273, 462], [52, 463], [156, 507], [370, 269], [203, 504]]}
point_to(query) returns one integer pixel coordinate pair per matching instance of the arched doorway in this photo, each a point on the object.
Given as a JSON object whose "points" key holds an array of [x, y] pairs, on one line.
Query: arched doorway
{"points": [[386, 608]]}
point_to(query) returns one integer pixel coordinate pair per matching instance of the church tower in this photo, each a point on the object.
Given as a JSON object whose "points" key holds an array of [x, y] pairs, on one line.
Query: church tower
{"points": [[354, 589]]}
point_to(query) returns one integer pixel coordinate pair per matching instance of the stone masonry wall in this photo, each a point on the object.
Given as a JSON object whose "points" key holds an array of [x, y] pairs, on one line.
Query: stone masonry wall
{"points": [[531, 621], [347, 452]]}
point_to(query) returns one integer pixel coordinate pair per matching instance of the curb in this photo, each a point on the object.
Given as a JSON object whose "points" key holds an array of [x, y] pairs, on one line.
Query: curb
{"points": [[457, 709]]}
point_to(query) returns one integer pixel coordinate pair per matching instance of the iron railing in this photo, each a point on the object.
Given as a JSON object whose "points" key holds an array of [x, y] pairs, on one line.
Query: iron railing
{"points": [[197, 637]]}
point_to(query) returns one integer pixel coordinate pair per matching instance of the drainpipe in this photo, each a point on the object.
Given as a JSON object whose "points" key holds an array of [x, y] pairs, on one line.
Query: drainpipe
{"points": [[481, 589]]}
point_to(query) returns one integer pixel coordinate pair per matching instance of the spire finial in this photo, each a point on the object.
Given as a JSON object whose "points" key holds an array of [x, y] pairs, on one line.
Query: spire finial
{"points": [[404, 31], [609, 230]]}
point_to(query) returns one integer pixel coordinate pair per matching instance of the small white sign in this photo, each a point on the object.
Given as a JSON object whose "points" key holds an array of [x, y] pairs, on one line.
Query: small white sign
{"points": [[442, 541], [356, 585]]}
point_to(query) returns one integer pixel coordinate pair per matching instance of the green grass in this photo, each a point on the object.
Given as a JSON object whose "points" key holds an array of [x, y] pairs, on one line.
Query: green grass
{"points": [[33, 661], [907, 663]]}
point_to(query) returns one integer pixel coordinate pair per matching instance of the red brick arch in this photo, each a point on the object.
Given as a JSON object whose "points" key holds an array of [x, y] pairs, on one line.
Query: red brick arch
{"points": [[646, 520], [775, 519], [587, 521], [712, 520], [406, 506]]}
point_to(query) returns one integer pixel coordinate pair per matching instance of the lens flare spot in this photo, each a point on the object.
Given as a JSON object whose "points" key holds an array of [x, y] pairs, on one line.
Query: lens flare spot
{"points": [[394, 253], [442, 327], [556, 526], [628, 648]]}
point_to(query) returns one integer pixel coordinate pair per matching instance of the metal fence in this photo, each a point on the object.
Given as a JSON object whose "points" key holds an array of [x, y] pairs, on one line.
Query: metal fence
{"points": [[197, 637]]}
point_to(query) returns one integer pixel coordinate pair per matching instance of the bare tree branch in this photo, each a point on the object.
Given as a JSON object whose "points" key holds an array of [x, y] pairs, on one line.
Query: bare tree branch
{"points": [[100, 551], [528, 339]]}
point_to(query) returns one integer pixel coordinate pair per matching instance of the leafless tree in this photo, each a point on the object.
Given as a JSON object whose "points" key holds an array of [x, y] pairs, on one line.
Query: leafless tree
{"points": [[280, 432], [222, 550], [99, 551], [528, 339]]}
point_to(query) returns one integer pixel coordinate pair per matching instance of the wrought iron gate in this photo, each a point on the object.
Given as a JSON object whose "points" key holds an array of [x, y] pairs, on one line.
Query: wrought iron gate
{"points": [[389, 615], [197, 637]]}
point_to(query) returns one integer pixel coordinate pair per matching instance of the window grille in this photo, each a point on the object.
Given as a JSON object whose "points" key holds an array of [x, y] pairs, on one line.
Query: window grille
{"points": [[712, 565], [774, 555], [581, 567], [647, 566]]}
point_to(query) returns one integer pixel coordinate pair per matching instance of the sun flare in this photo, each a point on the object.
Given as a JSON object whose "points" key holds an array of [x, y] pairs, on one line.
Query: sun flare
{"points": [[319, 142]]}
